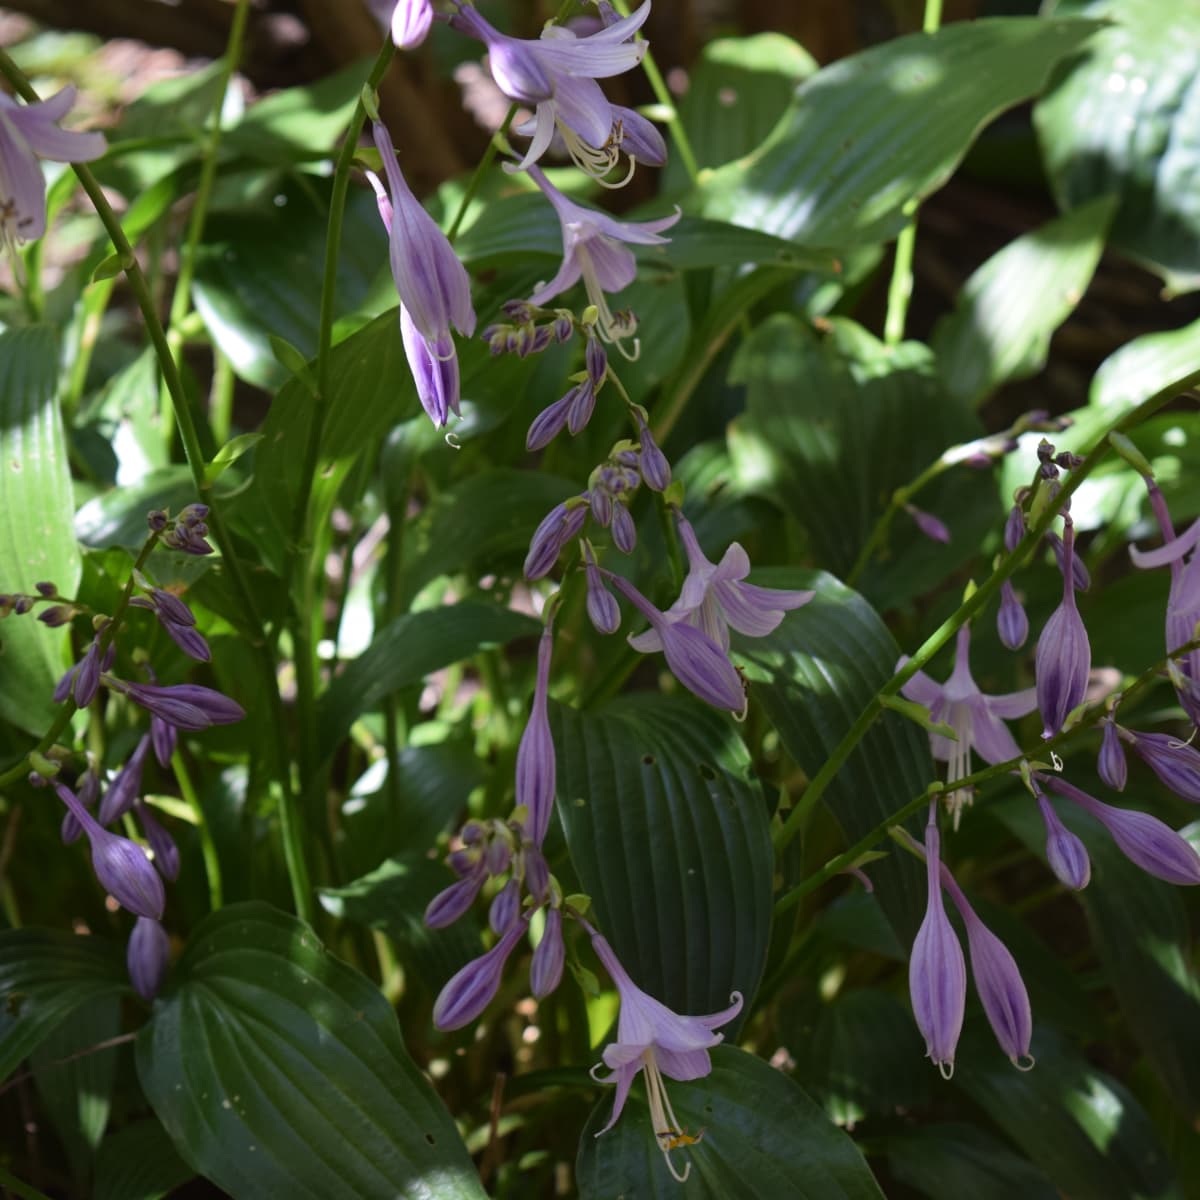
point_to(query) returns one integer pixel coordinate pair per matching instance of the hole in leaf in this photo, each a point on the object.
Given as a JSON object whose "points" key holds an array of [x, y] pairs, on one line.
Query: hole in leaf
{"points": [[648, 760], [430, 1139], [707, 772]]}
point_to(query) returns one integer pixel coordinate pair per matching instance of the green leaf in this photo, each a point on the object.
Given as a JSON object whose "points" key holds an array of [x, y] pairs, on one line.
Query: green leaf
{"points": [[118, 517], [763, 1137], [667, 828], [139, 1163], [859, 143], [1124, 119], [230, 453], [948, 1162], [109, 267], [406, 650], [1001, 326], [45, 976], [813, 676], [36, 509], [280, 1071]]}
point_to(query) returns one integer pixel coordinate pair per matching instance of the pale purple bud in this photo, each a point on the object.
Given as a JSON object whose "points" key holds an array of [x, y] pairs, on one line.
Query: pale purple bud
{"points": [[537, 873], [147, 957], [126, 787], [545, 972], [410, 23], [653, 463], [1176, 763], [190, 641], [1014, 528], [997, 979], [602, 607], [450, 903], [62, 689], [166, 853], [1143, 839], [602, 505], [156, 520], [471, 989], [87, 678], [1111, 765], [87, 792], [1064, 655], [558, 526], [163, 738], [462, 861], [583, 404], [56, 615], [497, 856], [1066, 854], [514, 65], [535, 756], [184, 705], [624, 531], [937, 973], [564, 327], [1012, 623], [928, 524], [597, 361], [505, 908], [640, 138], [1079, 572], [170, 607]]}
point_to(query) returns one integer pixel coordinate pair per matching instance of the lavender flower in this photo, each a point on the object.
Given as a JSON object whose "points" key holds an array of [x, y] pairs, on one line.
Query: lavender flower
{"points": [[166, 853], [937, 974], [434, 290], [1064, 655], [928, 524], [550, 422], [545, 971], [1143, 839], [183, 705], [602, 607], [147, 957], [450, 903], [624, 531], [27, 132], [505, 908], [1012, 624], [125, 788], [596, 250], [470, 990], [408, 21], [176, 619], [1111, 765], [1176, 763], [652, 1038], [535, 755], [557, 528], [163, 737], [1066, 854], [653, 463], [977, 720]]}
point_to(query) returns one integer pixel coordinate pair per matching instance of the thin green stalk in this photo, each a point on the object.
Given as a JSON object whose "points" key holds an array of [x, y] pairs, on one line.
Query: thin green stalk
{"points": [[208, 848], [476, 179], [976, 601], [221, 402]]}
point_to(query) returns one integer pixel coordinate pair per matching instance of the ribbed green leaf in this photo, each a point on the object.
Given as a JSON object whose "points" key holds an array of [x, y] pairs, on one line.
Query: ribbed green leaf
{"points": [[763, 1137], [36, 509], [869, 133], [1000, 329], [814, 675], [139, 1163], [1125, 119], [949, 1162], [279, 1071], [667, 829]]}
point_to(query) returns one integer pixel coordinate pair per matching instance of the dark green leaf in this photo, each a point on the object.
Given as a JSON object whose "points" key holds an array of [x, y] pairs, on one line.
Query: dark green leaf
{"points": [[36, 509], [949, 1162], [667, 828], [118, 517], [279, 1071], [139, 1163], [763, 1137]]}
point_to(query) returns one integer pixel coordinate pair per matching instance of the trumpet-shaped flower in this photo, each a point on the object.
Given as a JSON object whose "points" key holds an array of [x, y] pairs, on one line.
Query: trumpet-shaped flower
{"points": [[596, 250], [652, 1038], [977, 720]]}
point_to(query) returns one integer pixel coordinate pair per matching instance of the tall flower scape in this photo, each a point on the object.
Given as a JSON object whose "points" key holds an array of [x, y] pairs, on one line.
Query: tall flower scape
{"points": [[284, 665]]}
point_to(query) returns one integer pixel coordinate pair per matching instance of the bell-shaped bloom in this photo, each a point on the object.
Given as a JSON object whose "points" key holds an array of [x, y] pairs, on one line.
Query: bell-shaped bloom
{"points": [[535, 755], [1110, 764], [937, 973], [1066, 854], [653, 1039], [545, 971], [698, 662], [183, 705], [977, 720], [596, 250], [1176, 763], [557, 75], [121, 866], [29, 132], [434, 290], [470, 990], [407, 21], [1143, 839], [147, 957], [997, 979], [126, 787], [715, 598], [1064, 654]]}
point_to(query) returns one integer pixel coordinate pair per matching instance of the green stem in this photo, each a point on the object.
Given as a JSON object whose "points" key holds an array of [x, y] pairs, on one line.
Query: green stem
{"points": [[208, 848], [489, 155], [976, 601]]}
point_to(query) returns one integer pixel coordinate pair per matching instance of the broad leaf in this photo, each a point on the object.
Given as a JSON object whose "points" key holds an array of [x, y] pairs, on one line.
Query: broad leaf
{"points": [[667, 829], [869, 133], [139, 1163], [762, 1137], [280, 1071], [948, 1162], [36, 510]]}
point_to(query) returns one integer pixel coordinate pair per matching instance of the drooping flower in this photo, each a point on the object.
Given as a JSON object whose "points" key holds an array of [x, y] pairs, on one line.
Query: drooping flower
{"points": [[535, 755], [602, 608], [596, 250], [932, 527], [434, 290], [978, 720], [545, 971], [557, 75], [183, 705], [176, 619], [557, 528], [1110, 764], [715, 597], [27, 132], [1012, 624], [408, 21], [147, 957], [126, 787], [471, 989], [1176, 763], [653, 1039], [1065, 852], [1064, 654]]}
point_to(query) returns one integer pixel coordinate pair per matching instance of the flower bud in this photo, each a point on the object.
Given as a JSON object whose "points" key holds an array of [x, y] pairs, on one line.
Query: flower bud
{"points": [[1111, 765], [624, 531], [557, 528], [450, 903], [1176, 763], [147, 957], [602, 608], [1066, 854], [163, 738], [545, 971], [497, 857], [601, 505], [57, 615], [597, 361], [928, 524], [536, 766], [1064, 654], [1079, 572], [166, 853], [505, 907], [652, 462], [1014, 528], [184, 705], [87, 678], [583, 403], [126, 787], [411, 20], [470, 990], [1012, 623]]}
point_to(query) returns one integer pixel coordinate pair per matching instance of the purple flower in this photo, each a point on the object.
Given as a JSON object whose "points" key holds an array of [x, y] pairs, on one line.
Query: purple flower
{"points": [[997, 979], [937, 974], [126, 787], [408, 21], [450, 903], [1064, 655], [978, 720], [1176, 763], [27, 132], [183, 705], [87, 791], [470, 990], [558, 527], [1111, 765], [1079, 571], [434, 290], [121, 866], [1012, 625], [652, 462], [87, 675], [1014, 528], [177, 619], [535, 755], [1143, 839], [602, 607], [624, 531], [652, 1038], [505, 908], [557, 74], [596, 250], [1066, 854], [549, 423], [163, 738], [714, 598], [147, 957], [928, 524], [166, 853], [545, 971], [701, 665]]}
